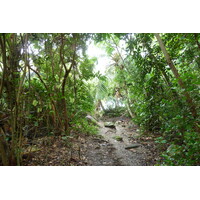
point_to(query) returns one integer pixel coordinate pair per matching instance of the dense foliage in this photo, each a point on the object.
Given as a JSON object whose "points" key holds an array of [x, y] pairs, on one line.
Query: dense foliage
{"points": [[161, 101], [48, 86]]}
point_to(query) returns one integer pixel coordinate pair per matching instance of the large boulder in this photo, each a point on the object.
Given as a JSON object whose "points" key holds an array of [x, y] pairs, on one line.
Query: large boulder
{"points": [[92, 120]]}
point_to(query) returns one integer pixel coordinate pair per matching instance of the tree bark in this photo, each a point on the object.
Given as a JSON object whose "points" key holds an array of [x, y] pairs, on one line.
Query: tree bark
{"points": [[101, 104], [67, 71], [3, 49], [3, 149], [128, 104]]}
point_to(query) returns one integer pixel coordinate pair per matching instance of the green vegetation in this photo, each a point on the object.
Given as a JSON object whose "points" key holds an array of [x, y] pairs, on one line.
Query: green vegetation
{"points": [[48, 86], [118, 138]]}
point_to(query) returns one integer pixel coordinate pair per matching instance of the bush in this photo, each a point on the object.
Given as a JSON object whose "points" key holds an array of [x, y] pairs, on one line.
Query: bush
{"points": [[185, 154], [83, 126]]}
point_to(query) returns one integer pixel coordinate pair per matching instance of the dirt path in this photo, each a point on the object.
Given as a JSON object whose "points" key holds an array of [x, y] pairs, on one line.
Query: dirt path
{"points": [[95, 150], [106, 150]]}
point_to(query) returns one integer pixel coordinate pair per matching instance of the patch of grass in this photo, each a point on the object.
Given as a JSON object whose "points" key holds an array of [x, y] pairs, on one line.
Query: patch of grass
{"points": [[118, 138]]}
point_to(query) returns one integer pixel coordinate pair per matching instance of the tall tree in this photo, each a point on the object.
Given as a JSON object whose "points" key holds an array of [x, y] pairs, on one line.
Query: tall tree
{"points": [[189, 100]]}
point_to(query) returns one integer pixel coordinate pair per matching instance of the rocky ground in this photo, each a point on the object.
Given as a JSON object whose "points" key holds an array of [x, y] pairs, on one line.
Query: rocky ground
{"points": [[112, 146]]}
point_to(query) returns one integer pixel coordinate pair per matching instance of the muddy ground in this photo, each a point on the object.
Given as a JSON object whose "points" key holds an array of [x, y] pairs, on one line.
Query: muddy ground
{"points": [[107, 148]]}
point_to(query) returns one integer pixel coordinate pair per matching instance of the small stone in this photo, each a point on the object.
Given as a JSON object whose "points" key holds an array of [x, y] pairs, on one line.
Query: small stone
{"points": [[109, 125]]}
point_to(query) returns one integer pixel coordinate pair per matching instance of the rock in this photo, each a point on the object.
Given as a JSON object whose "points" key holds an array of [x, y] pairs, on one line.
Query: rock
{"points": [[133, 146], [92, 120], [109, 125], [118, 122]]}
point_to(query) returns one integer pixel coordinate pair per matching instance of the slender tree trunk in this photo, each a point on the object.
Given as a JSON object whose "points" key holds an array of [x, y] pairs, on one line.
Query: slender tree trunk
{"points": [[3, 49], [10, 81], [67, 71], [75, 88], [50, 97], [129, 104], [176, 74], [66, 118], [3, 149], [100, 103], [166, 78]]}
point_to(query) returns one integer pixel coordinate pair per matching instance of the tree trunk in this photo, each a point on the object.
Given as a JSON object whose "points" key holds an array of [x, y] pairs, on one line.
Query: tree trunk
{"points": [[3, 149], [100, 103], [3, 49], [161, 68], [128, 103], [56, 115], [67, 71], [176, 74]]}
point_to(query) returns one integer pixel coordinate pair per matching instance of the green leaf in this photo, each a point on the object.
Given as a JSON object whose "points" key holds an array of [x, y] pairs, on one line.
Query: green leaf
{"points": [[39, 109], [35, 103]]}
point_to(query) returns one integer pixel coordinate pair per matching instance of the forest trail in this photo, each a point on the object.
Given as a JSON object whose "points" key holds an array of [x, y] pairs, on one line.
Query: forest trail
{"points": [[109, 148]]}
